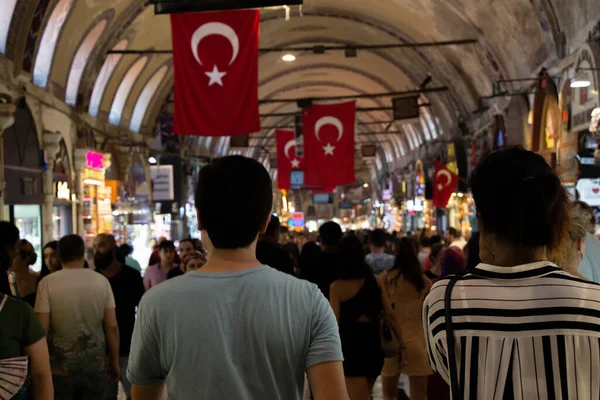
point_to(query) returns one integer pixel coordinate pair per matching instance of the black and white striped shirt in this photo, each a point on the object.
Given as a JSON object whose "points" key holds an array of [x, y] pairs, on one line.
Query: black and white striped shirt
{"points": [[525, 332]]}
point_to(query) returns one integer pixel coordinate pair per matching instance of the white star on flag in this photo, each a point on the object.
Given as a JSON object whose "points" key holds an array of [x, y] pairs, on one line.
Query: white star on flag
{"points": [[329, 149], [295, 163], [215, 76]]}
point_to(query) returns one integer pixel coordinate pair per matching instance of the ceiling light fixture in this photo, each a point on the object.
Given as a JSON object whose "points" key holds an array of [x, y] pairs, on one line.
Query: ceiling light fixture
{"points": [[289, 57], [366, 185], [580, 80], [151, 160]]}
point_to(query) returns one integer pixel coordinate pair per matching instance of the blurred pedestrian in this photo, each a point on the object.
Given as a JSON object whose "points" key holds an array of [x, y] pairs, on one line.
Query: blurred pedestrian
{"points": [[378, 259], [50, 261], [157, 273], [24, 281], [270, 252]]}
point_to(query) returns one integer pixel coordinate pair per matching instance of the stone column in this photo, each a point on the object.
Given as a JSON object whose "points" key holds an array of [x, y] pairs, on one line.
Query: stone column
{"points": [[7, 114], [51, 146], [79, 159]]}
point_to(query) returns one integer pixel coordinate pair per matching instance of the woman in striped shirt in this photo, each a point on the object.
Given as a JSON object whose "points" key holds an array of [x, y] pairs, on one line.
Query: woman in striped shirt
{"points": [[519, 327]]}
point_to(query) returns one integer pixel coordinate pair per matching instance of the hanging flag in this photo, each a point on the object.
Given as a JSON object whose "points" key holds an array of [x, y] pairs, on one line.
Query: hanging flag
{"points": [[444, 184], [215, 60], [287, 160], [329, 144]]}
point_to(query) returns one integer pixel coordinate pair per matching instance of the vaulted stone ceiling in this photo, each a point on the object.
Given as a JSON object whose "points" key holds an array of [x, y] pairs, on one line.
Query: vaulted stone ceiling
{"points": [[515, 39]]}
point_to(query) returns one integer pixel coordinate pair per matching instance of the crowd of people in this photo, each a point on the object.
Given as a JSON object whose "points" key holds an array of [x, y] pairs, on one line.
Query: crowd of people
{"points": [[511, 311]]}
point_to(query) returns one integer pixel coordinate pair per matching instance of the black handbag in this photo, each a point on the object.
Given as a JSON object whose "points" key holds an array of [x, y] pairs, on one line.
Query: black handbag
{"points": [[450, 339]]}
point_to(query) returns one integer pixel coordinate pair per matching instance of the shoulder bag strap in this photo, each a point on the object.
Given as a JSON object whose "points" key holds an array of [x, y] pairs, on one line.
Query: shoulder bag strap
{"points": [[454, 387]]}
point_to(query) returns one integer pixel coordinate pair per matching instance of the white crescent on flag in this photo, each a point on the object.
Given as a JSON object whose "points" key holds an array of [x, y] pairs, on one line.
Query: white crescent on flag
{"points": [[321, 122], [446, 173], [288, 146], [215, 28]]}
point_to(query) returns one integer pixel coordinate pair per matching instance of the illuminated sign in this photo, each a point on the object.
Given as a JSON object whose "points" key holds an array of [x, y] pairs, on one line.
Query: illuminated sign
{"points": [[91, 176], [94, 160], [62, 191], [298, 219]]}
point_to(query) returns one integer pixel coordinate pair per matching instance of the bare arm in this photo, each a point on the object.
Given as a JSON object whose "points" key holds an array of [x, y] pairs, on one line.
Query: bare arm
{"points": [[45, 320], [40, 370], [334, 301], [111, 331], [153, 392], [327, 381]]}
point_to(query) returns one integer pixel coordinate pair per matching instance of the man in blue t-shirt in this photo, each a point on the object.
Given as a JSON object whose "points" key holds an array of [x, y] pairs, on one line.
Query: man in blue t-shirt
{"points": [[235, 329]]}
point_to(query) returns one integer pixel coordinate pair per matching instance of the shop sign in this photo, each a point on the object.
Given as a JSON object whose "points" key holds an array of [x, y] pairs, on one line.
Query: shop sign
{"points": [[62, 191], [92, 176], [298, 219], [589, 191], [162, 182], [94, 160]]}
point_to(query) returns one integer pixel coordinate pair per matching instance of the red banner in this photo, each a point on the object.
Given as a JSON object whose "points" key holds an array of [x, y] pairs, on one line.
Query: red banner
{"points": [[287, 160], [444, 184], [215, 57], [329, 144]]}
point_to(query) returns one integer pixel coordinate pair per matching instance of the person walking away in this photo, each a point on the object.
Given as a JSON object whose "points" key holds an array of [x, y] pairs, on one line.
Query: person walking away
{"points": [[157, 273], [123, 254], [406, 287], [378, 259], [425, 250], [454, 238], [50, 261], [525, 328], [24, 281], [324, 272], [21, 333], [127, 288], [77, 308], [270, 252], [231, 319], [358, 303], [186, 247]]}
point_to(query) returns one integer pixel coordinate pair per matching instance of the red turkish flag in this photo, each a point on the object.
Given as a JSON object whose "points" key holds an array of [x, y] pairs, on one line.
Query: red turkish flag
{"points": [[444, 184], [329, 144], [287, 160], [215, 60]]}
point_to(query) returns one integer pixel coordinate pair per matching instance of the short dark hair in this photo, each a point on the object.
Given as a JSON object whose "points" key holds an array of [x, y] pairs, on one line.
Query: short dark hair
{"points": [[187, 240], [330, 233], [233, 191], [351, 259], [166, 244], [71, 248], [453, 231], [435, 239], [378, 238], [9, 236], [520, 199], [425, 241]]}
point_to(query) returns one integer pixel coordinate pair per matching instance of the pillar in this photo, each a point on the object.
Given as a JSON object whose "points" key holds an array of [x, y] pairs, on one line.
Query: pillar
{"points": [[79, 159], [7, 119], [51, 146]]}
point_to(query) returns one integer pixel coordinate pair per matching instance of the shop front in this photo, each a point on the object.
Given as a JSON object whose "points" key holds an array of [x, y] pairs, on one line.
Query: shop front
{"points": [[96, 197], [23, 169], [545, 119], [62, 210]]}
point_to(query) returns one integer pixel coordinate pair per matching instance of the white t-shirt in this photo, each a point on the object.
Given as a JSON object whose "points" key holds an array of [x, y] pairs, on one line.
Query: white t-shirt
{"points": [[77, 300], [460, 243]]}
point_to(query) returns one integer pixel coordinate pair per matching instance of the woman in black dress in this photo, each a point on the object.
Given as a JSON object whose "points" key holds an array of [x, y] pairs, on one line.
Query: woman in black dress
{"points": [[358, 303]]}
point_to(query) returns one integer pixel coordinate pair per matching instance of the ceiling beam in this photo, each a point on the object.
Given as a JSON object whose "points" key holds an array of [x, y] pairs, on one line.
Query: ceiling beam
{"points": [[360, 109], [317, 49], [359, 96]]}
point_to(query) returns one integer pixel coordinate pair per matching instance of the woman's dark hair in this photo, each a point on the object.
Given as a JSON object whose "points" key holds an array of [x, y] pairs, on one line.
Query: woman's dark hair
{"points": [[26, 251], [407, 264], [50, 245], [351, 259], [472, 251], [308, 263], [520, 199]]}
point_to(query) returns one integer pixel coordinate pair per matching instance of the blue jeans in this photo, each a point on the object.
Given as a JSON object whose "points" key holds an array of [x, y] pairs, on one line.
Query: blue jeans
{"points": [[80, 386]]}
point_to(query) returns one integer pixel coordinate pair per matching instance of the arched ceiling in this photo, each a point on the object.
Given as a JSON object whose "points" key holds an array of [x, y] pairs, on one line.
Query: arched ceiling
{"points": [[514, 39]]}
